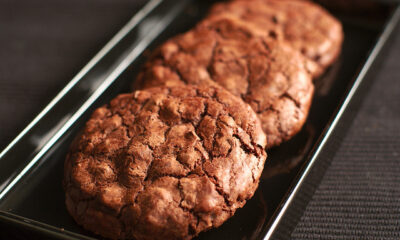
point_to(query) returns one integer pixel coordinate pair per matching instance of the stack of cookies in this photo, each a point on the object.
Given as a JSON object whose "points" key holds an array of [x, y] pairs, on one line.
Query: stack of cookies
{"points": [[187, 148]]}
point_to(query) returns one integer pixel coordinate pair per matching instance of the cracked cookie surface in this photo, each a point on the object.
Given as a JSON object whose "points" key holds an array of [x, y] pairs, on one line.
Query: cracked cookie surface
{"points": [[306, 26], [164, 163], [274, 79]]}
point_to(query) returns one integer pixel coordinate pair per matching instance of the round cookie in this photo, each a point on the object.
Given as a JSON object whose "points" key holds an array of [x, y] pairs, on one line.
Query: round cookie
{"points": [[164, 163], [306, 26], [270, 76]]}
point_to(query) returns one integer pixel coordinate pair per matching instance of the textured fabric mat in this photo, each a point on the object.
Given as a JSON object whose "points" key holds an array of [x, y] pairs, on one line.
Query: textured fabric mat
{"points": [[358, 197], [43, 44]]}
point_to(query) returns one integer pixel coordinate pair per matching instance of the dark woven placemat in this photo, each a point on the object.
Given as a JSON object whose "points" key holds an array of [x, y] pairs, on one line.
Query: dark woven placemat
{"points": [[358, 197], [43, 44]]}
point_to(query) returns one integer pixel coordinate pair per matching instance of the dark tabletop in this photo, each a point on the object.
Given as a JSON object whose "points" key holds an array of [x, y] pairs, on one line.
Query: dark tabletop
{"points": [[43, 44]]}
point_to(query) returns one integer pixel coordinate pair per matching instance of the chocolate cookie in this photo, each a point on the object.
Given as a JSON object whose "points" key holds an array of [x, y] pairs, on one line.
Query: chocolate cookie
{"points": [[306, 26], [270, 76], [164, 163]]}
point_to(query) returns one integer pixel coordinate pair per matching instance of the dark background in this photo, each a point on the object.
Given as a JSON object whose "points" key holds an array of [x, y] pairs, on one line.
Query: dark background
{"points": [[43, 44]]}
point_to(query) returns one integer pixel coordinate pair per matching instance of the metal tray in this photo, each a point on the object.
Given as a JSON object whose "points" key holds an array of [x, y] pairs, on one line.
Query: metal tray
{"points": [[31, 167]]}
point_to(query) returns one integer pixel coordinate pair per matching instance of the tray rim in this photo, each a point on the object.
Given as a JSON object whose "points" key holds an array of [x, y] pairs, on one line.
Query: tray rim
{"points": [[389, 25], [99, 55], [107, 48], [50, 230]]}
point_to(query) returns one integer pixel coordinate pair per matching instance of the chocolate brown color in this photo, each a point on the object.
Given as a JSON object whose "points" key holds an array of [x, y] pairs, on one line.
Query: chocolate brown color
{"points": [[164, 163], [267, 74], [305, 25]]}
